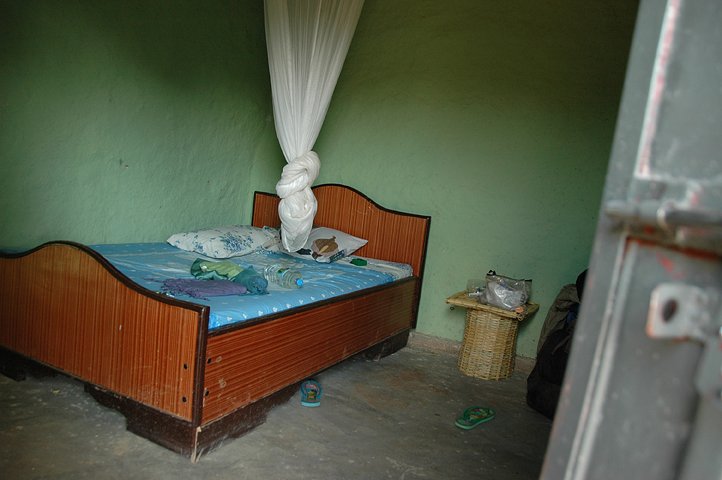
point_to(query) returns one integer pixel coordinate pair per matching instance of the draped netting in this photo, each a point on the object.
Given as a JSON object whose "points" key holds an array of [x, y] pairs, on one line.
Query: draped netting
{"points": [[307, 44]]}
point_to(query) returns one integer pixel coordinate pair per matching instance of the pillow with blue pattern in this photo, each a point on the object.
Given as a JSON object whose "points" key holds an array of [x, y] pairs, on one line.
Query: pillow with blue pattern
{"points": [[223, 242]]}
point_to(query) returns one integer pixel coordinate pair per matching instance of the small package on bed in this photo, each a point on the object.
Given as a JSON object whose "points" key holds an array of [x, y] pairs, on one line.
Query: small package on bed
{"points": [[326, 245]]}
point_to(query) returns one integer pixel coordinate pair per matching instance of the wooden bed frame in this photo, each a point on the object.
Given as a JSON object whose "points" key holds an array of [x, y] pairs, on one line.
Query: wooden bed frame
{"points": [[65, 309]]}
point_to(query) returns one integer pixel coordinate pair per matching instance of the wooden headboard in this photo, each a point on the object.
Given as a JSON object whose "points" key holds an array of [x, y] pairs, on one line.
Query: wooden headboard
{"points": [[393, 236]]}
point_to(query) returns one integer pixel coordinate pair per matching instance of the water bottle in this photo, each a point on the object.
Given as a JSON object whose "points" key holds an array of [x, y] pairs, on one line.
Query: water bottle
{"points": [[285, 277]]}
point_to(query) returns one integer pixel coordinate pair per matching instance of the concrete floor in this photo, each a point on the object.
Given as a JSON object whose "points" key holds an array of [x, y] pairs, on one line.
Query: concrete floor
{"points": [[393, 418]]}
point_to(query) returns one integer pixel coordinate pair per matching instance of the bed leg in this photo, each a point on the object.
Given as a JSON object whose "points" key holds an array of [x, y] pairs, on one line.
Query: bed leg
{"points": [[162, 428], [385, 348], [17, 367]]}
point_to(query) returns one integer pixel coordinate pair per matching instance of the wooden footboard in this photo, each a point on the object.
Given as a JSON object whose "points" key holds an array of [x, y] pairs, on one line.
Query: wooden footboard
{"points": [[64, 308]]}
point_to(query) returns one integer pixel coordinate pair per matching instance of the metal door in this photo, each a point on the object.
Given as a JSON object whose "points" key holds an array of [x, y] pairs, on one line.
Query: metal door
{"points": [[642, 394]]}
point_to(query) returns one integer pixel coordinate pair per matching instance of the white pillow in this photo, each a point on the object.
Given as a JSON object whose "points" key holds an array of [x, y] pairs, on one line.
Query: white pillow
{"points": [[222, 242], [327, 245]]}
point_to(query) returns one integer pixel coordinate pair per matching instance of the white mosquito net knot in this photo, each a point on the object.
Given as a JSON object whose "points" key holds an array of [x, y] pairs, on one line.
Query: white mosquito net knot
{"points": [[298, 204]]}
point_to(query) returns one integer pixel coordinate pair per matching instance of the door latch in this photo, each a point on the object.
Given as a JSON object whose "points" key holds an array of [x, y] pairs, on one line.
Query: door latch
{"points": [[686, 312]]}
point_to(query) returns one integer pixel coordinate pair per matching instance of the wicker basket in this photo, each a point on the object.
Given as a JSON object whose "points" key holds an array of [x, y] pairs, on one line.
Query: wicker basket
{"points": [[489, 347]]}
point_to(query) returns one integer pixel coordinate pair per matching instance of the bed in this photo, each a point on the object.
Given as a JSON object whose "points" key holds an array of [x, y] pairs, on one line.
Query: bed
{"points": [[65, 308]]}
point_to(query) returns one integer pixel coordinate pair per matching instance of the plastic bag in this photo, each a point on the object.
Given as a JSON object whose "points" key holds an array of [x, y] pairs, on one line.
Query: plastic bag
{"points": [[505, 292], [475, 288]]}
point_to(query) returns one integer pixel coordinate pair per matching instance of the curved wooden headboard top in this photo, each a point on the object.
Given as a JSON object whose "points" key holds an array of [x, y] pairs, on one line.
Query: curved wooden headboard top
{"points": [[393, 236]]}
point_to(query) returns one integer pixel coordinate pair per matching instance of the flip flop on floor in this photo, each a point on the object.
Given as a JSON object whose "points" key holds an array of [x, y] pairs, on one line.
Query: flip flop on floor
{"points": [[474, 416], [311, 394]]}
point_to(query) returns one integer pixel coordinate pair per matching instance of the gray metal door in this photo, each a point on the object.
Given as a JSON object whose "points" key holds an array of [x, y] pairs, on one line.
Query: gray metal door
{"points": [[642, 393]]}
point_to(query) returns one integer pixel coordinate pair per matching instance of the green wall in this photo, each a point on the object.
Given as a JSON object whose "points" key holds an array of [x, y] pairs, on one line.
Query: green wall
{"points": [[495, 118], [130, 121]]}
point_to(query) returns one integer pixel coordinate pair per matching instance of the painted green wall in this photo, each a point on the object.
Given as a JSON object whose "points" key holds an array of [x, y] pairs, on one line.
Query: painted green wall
{"points": [[495, 118], [131, 120]]}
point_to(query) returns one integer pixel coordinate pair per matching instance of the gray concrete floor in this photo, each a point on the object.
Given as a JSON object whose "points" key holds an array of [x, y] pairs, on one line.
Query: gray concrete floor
{"points": [[393, 418]]}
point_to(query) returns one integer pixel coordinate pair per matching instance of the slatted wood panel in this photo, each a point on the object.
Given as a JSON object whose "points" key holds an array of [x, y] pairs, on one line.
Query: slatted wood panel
{"points": [[391, 235], [250, 363], [60, 306]]}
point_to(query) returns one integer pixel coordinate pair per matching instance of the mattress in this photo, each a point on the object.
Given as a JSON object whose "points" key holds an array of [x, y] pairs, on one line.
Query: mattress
{"points": [[149, 264]]}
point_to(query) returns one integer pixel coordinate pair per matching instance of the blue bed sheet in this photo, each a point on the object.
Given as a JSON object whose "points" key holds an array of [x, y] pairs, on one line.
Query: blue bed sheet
{"points": [[148, 264]]}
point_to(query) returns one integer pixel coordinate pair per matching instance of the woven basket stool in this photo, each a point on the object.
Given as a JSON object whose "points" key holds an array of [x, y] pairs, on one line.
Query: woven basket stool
{"points": [[488, 350]]}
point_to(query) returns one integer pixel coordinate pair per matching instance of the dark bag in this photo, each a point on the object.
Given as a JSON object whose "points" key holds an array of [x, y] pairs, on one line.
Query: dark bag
{"points": [[545, 380], [542, 395]]}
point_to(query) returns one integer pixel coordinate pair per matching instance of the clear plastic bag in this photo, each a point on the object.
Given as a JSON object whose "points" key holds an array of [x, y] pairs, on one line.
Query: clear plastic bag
{"points": [[475, 288], [505, 292]]}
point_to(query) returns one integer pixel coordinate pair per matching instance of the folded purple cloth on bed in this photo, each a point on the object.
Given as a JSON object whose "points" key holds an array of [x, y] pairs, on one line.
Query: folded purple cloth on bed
{"points": [[202, 288]]}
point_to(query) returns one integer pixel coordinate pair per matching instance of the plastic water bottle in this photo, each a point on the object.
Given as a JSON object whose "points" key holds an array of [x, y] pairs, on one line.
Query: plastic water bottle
{"points": [[285, 277]]}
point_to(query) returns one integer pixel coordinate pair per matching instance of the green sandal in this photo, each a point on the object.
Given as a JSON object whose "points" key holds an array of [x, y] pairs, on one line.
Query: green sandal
{"points": [[474, 416]]}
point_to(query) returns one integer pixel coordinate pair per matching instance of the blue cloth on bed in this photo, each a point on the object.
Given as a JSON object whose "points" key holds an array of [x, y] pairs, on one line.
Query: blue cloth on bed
{"points": [[146, 263]]}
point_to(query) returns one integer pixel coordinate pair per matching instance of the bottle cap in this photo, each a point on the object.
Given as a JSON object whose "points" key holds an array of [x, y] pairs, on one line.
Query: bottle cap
{"points": [[299, 282]]}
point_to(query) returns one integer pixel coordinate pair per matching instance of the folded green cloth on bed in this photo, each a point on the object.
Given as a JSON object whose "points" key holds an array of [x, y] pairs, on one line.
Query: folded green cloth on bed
{"points": [[205, 270], [248, 277]]}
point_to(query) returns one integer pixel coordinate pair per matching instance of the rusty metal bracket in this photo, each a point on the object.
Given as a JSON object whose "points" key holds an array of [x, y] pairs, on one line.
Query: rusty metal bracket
{"points": [[686, 312]]}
